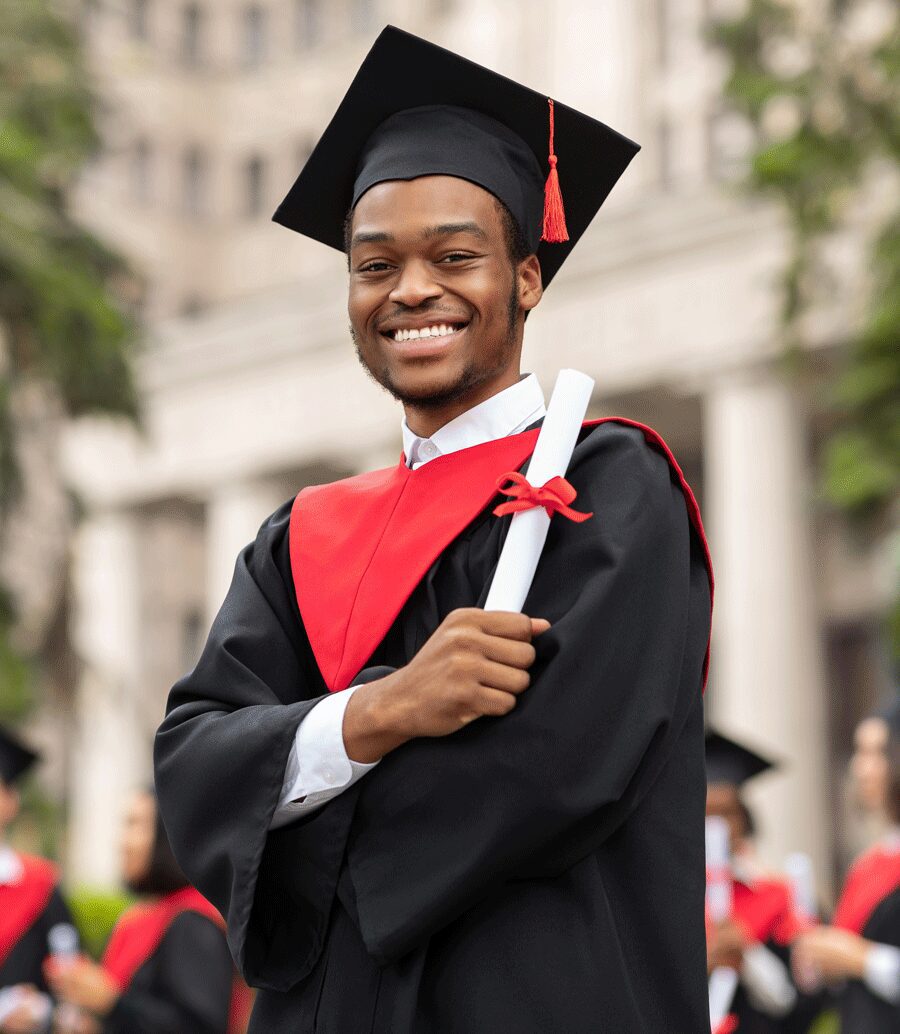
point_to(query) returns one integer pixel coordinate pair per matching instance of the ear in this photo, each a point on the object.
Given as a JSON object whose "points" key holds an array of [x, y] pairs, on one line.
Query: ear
{"points": [[528, 274]]}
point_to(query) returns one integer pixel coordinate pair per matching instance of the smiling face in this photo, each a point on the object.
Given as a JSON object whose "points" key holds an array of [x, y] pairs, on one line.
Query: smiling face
{"points": [[436, 300]]}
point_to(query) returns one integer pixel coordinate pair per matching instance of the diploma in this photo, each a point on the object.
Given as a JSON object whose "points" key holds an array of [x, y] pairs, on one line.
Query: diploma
{"points": [[723, 980], [552, 454]]}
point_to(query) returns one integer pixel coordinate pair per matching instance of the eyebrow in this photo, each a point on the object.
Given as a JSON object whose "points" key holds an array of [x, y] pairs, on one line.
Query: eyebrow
{"points": [[443, 230]]}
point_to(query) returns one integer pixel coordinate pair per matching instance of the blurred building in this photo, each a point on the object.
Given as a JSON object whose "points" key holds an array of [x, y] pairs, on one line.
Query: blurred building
{"points": [[251, 386]]}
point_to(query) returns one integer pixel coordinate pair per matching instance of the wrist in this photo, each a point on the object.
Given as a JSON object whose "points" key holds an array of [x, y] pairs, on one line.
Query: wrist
{"points": [[373, 724]]}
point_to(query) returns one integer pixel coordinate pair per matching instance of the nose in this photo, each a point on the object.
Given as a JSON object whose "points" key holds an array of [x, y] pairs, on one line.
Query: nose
{"points": [[415, 286]]}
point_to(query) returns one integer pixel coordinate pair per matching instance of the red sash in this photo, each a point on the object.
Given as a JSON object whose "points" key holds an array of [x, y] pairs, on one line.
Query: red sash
{"points": [[872, 877], [23, 901], [141, 928], [765, 911], [359, 547]]}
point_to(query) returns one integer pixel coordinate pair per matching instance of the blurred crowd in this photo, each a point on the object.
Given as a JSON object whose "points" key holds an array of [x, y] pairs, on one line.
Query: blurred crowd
{"points": [[777, 964]]}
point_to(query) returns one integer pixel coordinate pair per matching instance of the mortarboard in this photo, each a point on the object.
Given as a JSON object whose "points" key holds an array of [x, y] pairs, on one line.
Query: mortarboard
{"points": [[415, 109], [728, 761], [15, 757]]}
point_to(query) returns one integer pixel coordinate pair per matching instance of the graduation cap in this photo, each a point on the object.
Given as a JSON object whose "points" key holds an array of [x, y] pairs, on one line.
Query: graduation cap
{"points": [[728, 761], [15, 757], [415, 109]]}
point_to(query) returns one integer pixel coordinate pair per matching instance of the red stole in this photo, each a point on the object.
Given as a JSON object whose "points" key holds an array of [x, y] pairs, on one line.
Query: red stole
{"points": [[141, 928], [23, 901], [872, 877], [765, 911], [359, 547]]}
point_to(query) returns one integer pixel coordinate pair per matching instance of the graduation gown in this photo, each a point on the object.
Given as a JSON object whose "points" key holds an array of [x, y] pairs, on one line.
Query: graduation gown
{"points": [[764, 909], [172, 964], [869, 905], [29, 909], [540, 872]]}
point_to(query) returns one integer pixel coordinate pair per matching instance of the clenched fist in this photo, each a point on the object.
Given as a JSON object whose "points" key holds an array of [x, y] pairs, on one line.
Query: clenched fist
{"points": [[475, 664]]}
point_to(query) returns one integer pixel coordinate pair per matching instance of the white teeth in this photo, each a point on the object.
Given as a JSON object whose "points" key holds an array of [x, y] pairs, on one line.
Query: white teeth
{"points": [[441, 330]]}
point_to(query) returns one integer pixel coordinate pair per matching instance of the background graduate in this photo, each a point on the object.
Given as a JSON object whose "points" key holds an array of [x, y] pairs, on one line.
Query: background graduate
{"points": [[757, 938], [416, 815], [166, 967], [859, 954], [31, 905]]}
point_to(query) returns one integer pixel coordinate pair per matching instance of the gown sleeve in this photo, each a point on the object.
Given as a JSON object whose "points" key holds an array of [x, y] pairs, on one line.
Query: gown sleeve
{"points": [[220, 757], [441, 823], [192, 990]]}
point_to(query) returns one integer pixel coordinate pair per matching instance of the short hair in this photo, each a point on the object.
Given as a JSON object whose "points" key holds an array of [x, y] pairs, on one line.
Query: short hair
{"points": [[164, 874]]}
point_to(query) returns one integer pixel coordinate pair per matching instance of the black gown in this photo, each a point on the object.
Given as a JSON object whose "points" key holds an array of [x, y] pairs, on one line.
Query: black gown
{"points": [[23, 964], [541, 872], [861, 1010], [184, 987]]}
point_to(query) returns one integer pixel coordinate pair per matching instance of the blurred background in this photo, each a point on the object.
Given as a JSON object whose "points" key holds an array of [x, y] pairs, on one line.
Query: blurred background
{"points": [[173, 365]]}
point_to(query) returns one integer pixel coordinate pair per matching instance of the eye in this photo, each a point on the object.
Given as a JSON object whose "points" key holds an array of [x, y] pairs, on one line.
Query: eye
{"points": [[373, 267], [456, 256]]}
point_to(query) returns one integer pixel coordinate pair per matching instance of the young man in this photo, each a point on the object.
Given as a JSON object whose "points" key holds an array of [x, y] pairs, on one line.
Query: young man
{"points": [[418, 816], [30, 907]]}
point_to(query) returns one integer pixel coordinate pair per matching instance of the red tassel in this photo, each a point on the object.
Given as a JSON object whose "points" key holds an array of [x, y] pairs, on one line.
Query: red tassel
{"points": [[554, 228]]}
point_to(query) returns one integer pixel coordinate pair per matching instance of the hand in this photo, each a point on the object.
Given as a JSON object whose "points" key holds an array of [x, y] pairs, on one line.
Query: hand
{"points": [[726, 945], [475, 664], [30, 1015], [81, 1023], [83, 983], [836, 954]]}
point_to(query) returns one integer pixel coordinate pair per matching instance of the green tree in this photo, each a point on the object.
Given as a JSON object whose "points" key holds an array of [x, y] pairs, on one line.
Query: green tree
{"points": [[819, 83], [62, 328]]}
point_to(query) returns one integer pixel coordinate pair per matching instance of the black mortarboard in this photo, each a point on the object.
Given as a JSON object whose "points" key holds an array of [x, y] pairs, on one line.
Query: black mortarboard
{"points": [[728, 761], [15, 757], [415, 109]]}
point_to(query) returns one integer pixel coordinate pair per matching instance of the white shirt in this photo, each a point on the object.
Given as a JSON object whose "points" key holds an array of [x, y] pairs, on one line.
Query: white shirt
{"points": [[10, 866], [318, 768]]}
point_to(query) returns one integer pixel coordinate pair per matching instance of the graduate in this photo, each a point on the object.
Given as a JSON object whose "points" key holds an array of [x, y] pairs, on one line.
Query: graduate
{"points": [[31, 906], [860, 952], [756, 940], [416, 815], [167, 966]]}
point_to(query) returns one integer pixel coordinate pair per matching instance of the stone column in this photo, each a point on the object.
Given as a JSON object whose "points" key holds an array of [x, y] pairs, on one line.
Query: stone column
{"points": [[767, 681], [234, 513], [111, 753]]}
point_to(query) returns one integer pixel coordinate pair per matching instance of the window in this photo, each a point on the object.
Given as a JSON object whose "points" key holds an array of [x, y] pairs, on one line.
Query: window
{"points": [[142, 171], [255, 186], [191, 33], [255, 40], [138, 22], [194, 186], [308, 23]]}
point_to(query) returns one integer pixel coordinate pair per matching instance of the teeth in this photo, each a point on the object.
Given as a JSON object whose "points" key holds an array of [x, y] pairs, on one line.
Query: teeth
{"points": [[413, 334]]}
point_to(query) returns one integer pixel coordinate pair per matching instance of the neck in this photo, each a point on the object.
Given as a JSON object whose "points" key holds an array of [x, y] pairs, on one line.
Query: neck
{"points": [[426, 420]]}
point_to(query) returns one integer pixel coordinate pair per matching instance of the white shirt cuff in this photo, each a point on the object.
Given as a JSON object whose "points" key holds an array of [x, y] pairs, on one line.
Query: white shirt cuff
{"points": [[318, 768], [882, 974], [766, 980]]}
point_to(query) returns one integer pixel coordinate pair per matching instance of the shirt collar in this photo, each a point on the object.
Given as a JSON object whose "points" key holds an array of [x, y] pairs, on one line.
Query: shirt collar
{"points": [[508, 412], [10, 866]]}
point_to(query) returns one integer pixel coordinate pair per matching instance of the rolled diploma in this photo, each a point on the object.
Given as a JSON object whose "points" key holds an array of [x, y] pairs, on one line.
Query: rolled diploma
{"points": [[552, 454], [723, 980]]}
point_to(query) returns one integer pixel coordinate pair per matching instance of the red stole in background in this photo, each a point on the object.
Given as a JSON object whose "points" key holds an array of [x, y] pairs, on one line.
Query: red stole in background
{"points": [[23, 901], [872, 877]]}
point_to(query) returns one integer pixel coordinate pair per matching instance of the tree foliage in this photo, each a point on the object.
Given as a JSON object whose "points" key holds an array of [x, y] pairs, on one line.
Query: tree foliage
{"points": [[819, 82], [60, 320]]}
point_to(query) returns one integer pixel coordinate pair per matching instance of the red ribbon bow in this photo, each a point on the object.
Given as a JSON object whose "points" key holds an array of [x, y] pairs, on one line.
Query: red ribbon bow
{"points": [[554, 496], [728, 1025]]}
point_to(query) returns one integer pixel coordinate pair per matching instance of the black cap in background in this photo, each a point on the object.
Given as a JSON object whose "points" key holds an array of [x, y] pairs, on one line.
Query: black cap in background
{"points": [[728, 761], [15, 757]]}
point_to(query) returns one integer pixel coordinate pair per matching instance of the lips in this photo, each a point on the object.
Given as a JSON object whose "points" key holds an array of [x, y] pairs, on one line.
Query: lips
{"points": [[425, 344]]}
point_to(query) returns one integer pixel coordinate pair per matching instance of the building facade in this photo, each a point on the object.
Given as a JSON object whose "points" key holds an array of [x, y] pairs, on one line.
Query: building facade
{"points": [[251, 387]]}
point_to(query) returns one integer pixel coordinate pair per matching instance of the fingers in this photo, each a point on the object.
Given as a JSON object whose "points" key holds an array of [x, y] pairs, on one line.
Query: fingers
{"points": [[512, 652], [504, 623], [501, 676]]}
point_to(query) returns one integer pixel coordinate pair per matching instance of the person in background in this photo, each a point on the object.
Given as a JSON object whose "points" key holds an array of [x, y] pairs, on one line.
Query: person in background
{"points": [[31, 906], [167, 967], [860, 952], [756, 939]]}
